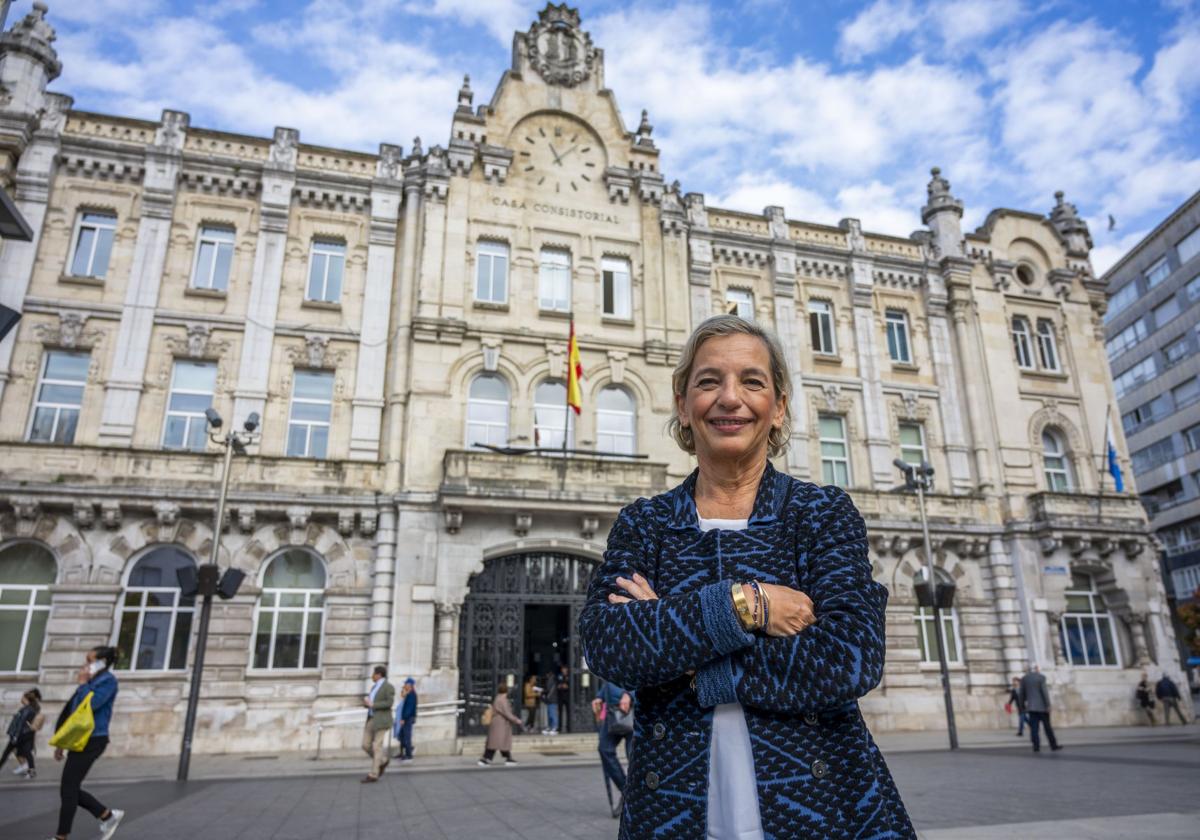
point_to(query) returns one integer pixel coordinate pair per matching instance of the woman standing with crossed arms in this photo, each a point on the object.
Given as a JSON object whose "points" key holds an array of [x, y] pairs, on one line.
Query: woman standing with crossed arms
{"points": [[740, 608]]}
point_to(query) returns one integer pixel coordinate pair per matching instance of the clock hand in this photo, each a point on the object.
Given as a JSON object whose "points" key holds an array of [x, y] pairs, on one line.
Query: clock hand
{"points": [[568, 151], [557, 157]]}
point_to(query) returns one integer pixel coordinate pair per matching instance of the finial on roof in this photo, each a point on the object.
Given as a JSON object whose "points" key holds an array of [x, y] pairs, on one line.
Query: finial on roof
{"points": [[465, 95], [416, 150]]}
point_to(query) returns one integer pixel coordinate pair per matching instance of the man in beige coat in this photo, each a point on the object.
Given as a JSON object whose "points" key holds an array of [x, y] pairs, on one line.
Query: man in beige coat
{"points": [[379, 702]]}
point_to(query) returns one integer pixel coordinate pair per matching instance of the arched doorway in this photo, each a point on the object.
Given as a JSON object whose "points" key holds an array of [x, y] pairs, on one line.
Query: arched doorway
{"points": [[519, 618]]}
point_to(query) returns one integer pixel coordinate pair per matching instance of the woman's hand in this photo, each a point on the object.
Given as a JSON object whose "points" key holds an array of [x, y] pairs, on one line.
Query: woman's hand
{"points": [[791, 610], [638, 589], [58, 754]]}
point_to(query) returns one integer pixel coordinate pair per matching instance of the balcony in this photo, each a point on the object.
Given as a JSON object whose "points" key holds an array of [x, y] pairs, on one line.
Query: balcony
{"points": [[1074, 510], [476, 480]]}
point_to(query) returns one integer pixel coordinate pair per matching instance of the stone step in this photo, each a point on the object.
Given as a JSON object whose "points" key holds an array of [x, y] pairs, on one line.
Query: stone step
{"points": [[581, 743]]}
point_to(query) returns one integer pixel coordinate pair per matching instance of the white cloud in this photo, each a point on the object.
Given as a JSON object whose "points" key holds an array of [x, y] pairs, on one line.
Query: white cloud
{"points": [[500, 17], [950, 24]]}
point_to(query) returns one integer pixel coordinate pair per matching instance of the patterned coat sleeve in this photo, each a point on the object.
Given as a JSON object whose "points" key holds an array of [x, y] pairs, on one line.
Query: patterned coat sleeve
{"points": [[644, 643], [834, 661]]}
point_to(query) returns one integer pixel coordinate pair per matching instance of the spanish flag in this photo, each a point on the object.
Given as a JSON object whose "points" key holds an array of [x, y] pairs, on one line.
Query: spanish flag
{"points": [[574, 373]]}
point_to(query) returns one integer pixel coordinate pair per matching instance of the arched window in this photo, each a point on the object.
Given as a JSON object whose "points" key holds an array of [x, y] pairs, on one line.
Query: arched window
{"points": [[927, 635], [26, 572], [156, 620], [291, 611], [550, 414], [616, 421], [1086, 628], [1056, 464], [487, 411], [1021, 342]]}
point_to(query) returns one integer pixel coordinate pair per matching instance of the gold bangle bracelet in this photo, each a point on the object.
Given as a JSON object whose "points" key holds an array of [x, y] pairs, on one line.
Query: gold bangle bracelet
{"points": [[742, 607]]}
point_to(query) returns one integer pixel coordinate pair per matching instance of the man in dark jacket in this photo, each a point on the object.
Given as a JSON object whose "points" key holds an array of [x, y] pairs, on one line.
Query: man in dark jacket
{"points": [[1036, 698], [1166, 691], [379, 722], [406, 717]]}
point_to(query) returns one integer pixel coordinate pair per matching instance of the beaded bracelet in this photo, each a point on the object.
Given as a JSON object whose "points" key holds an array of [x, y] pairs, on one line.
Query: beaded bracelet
{"points": [[759, 596]]}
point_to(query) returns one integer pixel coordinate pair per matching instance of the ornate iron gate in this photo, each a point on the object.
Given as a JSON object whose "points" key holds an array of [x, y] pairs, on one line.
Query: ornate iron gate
{"points": [[491, 636]]}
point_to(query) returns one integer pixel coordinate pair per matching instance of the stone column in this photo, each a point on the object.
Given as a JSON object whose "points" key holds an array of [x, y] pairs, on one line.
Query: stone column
{"points": [[1053, 621], [278, 178], [367, 405], [862, 287], [35, 174], [699, 258], [946, 373], [1137, 629], [383, 587], [969, 351], [126, 378], [405, 299], [783, 270], [447, 620], [1007, 601]]}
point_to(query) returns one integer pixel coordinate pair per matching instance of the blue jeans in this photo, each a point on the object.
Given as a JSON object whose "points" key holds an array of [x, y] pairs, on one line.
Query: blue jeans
{"points": [[552, 713], [1021, 721], [406, 745], [608, 757]]}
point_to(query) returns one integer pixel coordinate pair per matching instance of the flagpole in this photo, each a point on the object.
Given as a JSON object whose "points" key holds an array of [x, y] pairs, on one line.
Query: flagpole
{"points": [[567, 407], [1103, 463]]}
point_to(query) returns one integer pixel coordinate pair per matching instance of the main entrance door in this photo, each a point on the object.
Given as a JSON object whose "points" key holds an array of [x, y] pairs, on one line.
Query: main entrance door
{"points": [[519, 619]]}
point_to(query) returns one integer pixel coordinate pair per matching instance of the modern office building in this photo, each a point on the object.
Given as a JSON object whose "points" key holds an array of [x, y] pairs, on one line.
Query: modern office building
{"points": [[392, 315], [1152, 338]]}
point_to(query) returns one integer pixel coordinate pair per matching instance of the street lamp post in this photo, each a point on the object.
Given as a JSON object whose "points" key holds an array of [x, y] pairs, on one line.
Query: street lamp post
{"points": [[209, 581], [920, 478]]}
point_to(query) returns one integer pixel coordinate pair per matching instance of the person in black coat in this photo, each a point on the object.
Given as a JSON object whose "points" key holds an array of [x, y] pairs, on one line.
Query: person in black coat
{"points": [[1145, 699], [1166, 691]]}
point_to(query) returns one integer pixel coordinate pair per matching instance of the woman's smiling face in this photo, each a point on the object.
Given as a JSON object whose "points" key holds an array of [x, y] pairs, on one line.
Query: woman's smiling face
{"points": [[730, 403]]}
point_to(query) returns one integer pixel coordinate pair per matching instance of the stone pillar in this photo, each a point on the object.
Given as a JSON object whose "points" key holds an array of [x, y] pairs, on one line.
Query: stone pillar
{"points": [[862, 287], [278, 178], [1137, 630], [1007, 601], [783, 270], [34, 176], [1053, 621], [123, 391], [383, 587], [447, 621], [367, 405], [946, 374], [699, 258], [971, 353], [403, 305]]}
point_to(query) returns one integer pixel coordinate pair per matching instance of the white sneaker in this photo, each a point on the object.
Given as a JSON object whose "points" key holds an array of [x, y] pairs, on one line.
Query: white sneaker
{"points": [[108, 827], [20, 770]]}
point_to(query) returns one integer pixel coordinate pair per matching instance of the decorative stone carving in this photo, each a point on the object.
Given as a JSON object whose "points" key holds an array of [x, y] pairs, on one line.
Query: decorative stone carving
{"points": [[447, 617], [315, 353], [84, 515], [247, 516], [345, 522], [167, 513], [619, 182], [388, 165], [854, 235], [491, 353], [110, 514], [1052, 621], [454, 519], [69, 334], [1137, 630], [465, 96], [558, 49], [911, 400], [588, 526], [298, 517], [831, 392], [556, 357], [171, 130], [283, 148], [616, 365], [368, 522], [522, 522], [496, 162], [26, 507]]}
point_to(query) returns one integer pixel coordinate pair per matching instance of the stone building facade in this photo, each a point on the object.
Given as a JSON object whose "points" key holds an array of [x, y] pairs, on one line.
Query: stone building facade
{"points": [[399, 321]]}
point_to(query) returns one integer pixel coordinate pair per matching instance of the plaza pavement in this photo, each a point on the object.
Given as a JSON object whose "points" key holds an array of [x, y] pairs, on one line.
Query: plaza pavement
{"points": [[1108, 783]]}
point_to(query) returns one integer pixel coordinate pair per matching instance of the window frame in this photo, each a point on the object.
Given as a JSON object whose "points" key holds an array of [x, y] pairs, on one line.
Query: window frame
{"points": [[611, 270], [487, 401], [1157, 272], [743, 299], [1047, 346], [920, 427], [144, 607], [1186, 243], [206, 237], [277, 609], [551, 276], [338, 249], [188, 417], [555, 427], [1117, 303], [30, 607], [309, 424], [833, 461], [896, 325], [1061, 453], [488, 252], [1092, 595], [822, 327], [630, 415], [1022, 340], [97, 228], [58, 407]]}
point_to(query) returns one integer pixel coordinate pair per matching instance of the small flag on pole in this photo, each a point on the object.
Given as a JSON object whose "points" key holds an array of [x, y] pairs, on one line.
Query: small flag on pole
{"points": [[574, 373], [1114, 468]]}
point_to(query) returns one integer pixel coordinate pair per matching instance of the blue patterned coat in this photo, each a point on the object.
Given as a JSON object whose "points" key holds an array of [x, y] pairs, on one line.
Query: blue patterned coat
{"points": [[819, 773]]}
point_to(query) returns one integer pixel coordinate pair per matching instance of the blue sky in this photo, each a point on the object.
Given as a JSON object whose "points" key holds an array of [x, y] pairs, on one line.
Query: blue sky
{"points": [[830, 109]]}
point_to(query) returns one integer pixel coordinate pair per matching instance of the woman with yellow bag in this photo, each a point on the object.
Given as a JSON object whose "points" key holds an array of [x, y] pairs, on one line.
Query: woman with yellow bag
{"points": [[82, 732]]}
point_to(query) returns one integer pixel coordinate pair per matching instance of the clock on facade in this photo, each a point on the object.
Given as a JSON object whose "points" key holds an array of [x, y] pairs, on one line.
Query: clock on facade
{"points": [[557, 153]]}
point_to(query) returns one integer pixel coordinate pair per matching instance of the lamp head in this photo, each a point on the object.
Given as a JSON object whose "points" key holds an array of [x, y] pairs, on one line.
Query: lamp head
{"points": [[213, 418], [901, 465], [251, 422]]}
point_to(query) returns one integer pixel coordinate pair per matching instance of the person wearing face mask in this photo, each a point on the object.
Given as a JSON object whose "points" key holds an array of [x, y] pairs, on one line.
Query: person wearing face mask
{"points": [[95, 677]]}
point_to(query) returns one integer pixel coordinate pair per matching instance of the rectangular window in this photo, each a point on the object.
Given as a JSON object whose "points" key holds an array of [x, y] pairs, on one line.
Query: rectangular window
{"points": [[1189, 246], [554, 280], [1193, 289], [1021, 343], [1047, 345], [1127, 338], [59, 396], [1146, 369], [1191, 437], [1154, 455], [308, 420], [214, 256], [1145, 414], [820, 321], [740, 302], [1158, 272], [326, 264], [1165, 312], [927, 635], [614, 279], [835, 460], [897, 336], [1176, 351], [912, 444], [192, 385], [1121, 299], [1186, 393], [93, 244], [491, 272]]}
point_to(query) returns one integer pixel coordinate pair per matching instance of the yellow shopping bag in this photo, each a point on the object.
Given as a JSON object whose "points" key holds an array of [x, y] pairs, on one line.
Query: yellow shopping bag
{"points": [[77, 729]]}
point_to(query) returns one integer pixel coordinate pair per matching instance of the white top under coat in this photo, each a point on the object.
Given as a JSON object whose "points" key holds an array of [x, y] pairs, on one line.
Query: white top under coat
{"points": [[732, 795]]}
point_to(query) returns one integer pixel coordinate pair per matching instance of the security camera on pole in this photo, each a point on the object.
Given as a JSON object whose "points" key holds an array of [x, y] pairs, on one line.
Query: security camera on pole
{"points": [[938, 596], [208, 580]]}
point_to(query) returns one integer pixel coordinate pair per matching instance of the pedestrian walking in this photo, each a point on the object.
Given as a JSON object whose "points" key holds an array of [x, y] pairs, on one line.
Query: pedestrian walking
{"points": [[747, 690], [1015, 703], [22, 734], [1166, 691], [1145, 700], [379, 702], [500, 722], [406, 716], [550, 698], [611, 699], [97, 692], [562, 694], [1036, 699], [530, 692]]}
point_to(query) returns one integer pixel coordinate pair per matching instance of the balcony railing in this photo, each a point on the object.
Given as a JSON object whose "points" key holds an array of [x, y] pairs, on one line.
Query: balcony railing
{"points": [[1071, 508]]}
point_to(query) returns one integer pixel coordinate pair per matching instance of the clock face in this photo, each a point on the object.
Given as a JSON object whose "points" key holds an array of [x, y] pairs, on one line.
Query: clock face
{"points": [[558, 154]]}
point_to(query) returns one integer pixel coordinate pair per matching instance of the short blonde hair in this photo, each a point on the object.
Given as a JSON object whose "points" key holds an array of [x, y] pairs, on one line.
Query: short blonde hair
{"points": [[781, 378]]}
